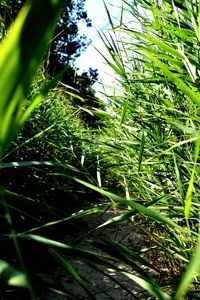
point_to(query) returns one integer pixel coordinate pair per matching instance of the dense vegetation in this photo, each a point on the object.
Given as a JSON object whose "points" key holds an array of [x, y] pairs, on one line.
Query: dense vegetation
{"points": [[56, 170], [67, 44]]}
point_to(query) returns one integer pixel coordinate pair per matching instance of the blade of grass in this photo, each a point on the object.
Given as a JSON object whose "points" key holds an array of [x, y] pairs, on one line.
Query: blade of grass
{"points": [[152, 289], [67, 266], [141, 151], [178, 178], [20, 56], [30, 164], [12, 276], [134, 205], [189, 91], [188, 199], [193, 268]]}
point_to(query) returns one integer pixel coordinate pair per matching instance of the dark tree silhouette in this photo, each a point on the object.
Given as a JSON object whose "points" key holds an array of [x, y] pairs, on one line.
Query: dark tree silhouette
{"points": [[67, 45]]}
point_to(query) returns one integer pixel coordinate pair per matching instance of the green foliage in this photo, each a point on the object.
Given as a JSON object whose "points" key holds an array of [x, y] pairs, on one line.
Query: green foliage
{"points": [[31, 199], [64, 48], [67, 42], [52, 133], [150, 149], [53, 118], [152, 140], [19, 63], [12, 276]]}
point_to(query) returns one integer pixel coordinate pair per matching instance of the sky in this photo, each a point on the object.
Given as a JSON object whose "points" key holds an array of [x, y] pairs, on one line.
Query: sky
{"points": [[91, 58]]}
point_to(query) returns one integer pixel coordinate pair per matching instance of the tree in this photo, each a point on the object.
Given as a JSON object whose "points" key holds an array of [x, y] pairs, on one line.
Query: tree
{"points": [[67, 45]]}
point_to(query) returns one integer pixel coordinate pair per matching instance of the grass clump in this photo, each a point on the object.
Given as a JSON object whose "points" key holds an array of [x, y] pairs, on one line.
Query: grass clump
{"points": [[153, 143]]}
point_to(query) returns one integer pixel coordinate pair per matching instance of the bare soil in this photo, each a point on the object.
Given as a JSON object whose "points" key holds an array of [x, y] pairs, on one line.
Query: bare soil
{"points": [[101, 285]]}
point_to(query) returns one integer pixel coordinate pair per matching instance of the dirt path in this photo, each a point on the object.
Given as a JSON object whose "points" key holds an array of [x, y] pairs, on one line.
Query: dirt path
{"points": [[99, 284]]}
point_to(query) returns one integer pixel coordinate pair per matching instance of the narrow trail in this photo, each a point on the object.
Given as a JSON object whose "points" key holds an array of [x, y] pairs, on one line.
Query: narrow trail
{"points": [[100, 285]]}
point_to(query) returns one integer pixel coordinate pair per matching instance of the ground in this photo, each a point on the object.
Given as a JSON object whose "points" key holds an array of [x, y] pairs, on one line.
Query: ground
{"points": [[98, 283]]}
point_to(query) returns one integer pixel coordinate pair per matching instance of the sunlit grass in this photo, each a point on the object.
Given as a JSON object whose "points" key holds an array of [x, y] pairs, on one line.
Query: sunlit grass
{"points": [[147, 152], [153, 144]]}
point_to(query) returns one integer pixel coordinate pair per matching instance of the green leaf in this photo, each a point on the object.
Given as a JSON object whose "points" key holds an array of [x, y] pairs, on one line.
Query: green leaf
{"points": [[188, 199], [32, 164], [131, 203], [184, 128], [20, 55], [193, 268], [141, 151], [152, 289], [178, 179], [189, 91], [70, 269], [12, 276]]}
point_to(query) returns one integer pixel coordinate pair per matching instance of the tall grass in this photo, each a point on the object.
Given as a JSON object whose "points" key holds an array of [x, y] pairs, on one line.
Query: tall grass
{"points": [[29, 243], [153, 135], [21, 54], [150, 148]]}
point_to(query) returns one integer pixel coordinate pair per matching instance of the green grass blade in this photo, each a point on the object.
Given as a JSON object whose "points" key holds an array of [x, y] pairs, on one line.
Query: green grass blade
{"points": [[193, 268], [31, 164], [70, 269], [78, 215], [178, 179], [123, 253], [188, 199], [165, 47], [189, 91], [39, 134], [20, 56], [141, 151], [84, 255], [12, 276], [152, 289], [131, 203]]}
